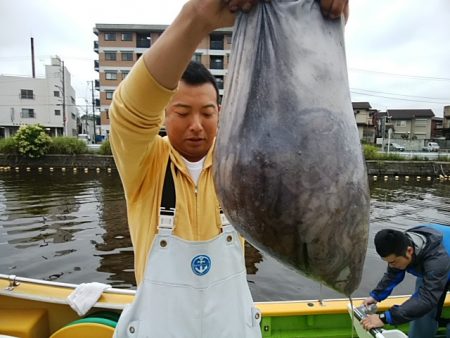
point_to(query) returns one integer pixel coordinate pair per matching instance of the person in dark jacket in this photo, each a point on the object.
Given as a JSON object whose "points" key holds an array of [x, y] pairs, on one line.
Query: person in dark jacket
{"points": [[423, 252]]}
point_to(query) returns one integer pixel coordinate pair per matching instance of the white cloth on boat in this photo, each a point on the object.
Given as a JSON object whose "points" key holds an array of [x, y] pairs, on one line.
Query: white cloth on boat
{"points": [[83, 298]]}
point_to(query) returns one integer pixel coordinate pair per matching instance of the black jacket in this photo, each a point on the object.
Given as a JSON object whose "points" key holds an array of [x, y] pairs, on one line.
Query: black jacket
{"points": [[430, 262]]}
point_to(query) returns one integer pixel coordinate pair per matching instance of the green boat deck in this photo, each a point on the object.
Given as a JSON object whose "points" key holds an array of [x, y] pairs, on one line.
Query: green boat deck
{"points": [[318, 326]]}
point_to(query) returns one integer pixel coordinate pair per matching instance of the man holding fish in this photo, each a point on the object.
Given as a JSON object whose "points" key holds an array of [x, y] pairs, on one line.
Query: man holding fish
{"points": [[189, 262]]}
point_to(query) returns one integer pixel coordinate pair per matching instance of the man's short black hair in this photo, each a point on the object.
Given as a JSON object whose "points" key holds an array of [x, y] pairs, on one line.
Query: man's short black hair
{"points": [[391, 242], [197, 74]]}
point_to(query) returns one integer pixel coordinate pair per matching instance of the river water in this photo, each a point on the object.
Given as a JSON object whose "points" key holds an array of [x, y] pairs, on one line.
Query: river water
{"points": [[72, 227]]}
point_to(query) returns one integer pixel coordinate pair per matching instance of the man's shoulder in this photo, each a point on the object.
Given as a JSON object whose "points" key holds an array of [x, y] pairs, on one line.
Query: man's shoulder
{"points": [[428, 231]]}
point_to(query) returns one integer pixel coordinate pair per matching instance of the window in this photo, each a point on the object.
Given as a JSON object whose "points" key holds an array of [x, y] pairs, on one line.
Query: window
{"points": [[197, 57], [72, 100], [110, 56], [216, 42], [143, 40], [56, 93], [216, 62], [27, 113], [124, 73], [73, 116], [421, 122], [107, 114], [57, 112], [127, 56], [111, 75], [400, 123], [109, 94], [219, 81], [110, 36], [26, 94], [127, 36]]}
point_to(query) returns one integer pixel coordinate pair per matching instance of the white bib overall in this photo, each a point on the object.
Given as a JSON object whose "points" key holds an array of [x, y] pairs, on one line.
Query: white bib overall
{"points": [[192, 290]]}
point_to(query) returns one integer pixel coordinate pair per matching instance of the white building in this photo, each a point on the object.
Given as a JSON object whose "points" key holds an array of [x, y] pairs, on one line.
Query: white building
{"points": [[48, 101]]}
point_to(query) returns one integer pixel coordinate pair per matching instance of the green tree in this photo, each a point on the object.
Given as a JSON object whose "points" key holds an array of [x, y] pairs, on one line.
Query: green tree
{"points": [[32, 141]]}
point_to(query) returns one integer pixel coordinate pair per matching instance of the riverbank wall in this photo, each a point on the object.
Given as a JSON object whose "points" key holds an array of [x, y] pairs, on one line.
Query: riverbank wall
{"points": [[59, 161], [105, 162], [408, 168]]}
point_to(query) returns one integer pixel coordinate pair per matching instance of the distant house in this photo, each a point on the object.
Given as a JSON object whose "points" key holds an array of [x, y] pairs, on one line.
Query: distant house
{"points": [[411, 123], [364, 116]]}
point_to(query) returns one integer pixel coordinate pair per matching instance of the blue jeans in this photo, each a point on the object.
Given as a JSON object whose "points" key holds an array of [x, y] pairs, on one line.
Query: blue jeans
{"points": [[426, 326]]}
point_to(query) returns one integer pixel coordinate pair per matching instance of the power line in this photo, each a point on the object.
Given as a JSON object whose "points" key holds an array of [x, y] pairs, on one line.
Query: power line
{"points": [[395, 98], [396, 94], [414, 77]]}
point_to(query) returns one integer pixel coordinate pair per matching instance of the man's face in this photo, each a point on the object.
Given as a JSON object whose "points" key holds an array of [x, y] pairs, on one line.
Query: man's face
{"points": [[191, 120], [400, 262]]}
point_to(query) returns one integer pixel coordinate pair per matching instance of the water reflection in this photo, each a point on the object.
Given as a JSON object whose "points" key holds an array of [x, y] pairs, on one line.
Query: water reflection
{"points": [[72, 227]]}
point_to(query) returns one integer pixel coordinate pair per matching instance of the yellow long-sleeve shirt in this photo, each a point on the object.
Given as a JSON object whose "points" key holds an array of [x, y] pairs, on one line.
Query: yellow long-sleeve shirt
{"points": [[141, 157]]}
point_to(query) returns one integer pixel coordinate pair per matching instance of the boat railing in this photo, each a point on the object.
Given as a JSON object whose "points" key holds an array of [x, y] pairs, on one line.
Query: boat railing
{"points": [[15, 281]]}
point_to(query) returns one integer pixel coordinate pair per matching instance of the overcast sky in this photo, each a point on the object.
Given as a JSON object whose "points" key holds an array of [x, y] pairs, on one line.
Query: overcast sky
{"points": [[398, 51]]}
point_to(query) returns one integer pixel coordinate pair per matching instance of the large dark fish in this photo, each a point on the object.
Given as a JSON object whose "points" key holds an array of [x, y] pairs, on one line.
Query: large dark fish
{"points": [[289, 168]]}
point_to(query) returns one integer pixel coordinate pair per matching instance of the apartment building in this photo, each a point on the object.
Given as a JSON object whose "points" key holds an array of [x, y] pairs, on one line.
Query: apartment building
{"points": [[119, 46], [48, 101]]}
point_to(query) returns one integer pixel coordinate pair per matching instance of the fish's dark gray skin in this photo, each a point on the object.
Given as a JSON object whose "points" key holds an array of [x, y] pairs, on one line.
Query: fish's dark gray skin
{"points": [[289, 169]]}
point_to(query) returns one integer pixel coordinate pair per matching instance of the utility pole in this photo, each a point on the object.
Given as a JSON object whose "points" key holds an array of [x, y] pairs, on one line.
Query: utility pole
{"points": [[93, 109], [383, 131], [33, 70], [86, 116], [64, 99]]}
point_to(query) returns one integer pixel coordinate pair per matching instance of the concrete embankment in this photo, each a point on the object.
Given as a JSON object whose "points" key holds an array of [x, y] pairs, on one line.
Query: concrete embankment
{"points": [[374, 167], [59, 161], [408, 168]]}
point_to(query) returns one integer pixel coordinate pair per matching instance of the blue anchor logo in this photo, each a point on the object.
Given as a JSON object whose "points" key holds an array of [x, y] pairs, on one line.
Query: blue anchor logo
{"points": [[200, 265]]}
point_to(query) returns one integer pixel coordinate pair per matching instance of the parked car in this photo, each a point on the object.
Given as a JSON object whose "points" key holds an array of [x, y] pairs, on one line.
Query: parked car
{"points": [[85, 138], [431, 146], [394, 147]]}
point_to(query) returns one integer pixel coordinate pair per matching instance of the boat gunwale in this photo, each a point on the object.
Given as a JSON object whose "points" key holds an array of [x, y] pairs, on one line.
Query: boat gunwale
{"points": [[116, 299]]}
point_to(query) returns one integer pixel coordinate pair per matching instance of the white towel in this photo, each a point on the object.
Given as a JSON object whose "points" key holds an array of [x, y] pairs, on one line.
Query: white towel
{"points": [[85, 296]]}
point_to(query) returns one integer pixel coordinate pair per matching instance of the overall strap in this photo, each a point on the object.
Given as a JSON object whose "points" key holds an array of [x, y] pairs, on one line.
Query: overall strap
{"points": [[226, 225], [168, 202]]}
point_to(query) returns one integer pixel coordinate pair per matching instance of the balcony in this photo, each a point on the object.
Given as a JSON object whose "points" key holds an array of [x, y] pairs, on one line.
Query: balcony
{"points": [[96, 46], [96, 65]]}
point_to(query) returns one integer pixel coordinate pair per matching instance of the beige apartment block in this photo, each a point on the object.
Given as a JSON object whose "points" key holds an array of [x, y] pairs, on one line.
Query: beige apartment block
{"points": [[119, 46]]}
